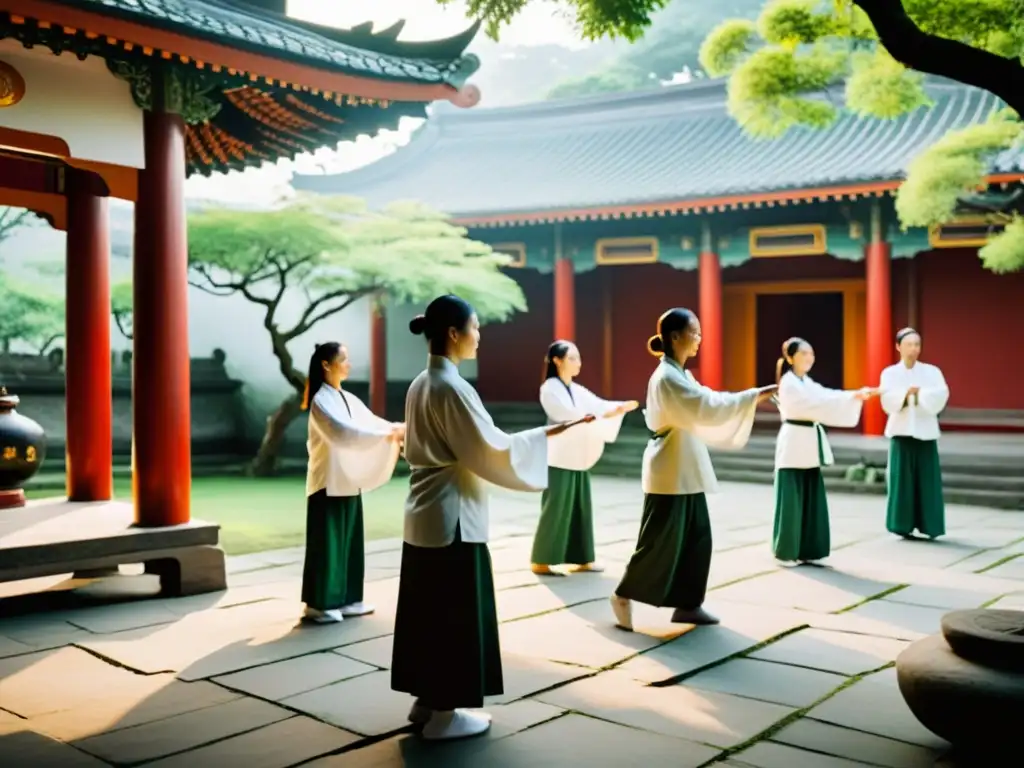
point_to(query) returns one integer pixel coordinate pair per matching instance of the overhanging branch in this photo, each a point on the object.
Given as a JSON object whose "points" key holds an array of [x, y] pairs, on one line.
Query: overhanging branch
{"points": [[922, 52]]}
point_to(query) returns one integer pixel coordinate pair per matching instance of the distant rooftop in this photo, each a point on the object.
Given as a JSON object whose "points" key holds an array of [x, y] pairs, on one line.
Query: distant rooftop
{"points": [[669, 145]]}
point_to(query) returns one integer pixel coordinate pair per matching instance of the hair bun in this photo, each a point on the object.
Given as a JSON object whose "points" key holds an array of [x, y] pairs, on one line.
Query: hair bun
{"points": [[655, 345], [418, 324]]}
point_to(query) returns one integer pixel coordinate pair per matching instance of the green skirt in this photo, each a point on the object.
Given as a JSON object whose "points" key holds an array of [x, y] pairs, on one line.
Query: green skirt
{"points": [[565, 533], [446, 648], [915, 488], [673, 553], [332, 576], [801, 515]]}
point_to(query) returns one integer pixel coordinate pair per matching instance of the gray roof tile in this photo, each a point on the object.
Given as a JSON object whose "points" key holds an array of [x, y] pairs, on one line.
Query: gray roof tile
{"points": [[674, 144]]}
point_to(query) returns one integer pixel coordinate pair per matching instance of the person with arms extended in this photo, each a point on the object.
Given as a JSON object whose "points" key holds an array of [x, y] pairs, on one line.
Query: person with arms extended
{"points": [[913, 394], [673, 553], [350, 451], [565, 532], [446, 650], [801, 507]]}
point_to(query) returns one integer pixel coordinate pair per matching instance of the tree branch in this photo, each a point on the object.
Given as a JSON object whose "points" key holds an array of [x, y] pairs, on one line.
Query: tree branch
{"points": [[922, 52], [311, 317], [120, 322]]}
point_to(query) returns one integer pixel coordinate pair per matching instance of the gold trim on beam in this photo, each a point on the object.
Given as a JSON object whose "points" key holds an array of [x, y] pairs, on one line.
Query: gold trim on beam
{"points": [[647, 250], [516, 250], [817, 247]]}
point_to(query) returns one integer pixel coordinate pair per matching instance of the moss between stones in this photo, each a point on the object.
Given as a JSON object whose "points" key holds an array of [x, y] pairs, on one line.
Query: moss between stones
{"points": [[872, 598]]}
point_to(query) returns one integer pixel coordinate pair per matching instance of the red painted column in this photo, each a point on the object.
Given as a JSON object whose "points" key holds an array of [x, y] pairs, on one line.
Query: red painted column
{"points": [[565, 300], [89, 397], [378, 359], [709, 275], [161, 406], [879, 342]]}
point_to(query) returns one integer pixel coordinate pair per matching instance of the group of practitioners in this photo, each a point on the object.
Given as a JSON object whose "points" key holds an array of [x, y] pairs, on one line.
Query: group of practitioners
{"points": [[446, 647]]}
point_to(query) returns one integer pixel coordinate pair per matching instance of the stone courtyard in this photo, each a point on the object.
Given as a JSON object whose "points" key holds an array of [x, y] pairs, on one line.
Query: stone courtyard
{"points": [[799, 673]]}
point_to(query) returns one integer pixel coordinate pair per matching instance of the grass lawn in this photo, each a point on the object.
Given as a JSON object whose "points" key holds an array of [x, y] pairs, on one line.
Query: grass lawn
{"points": [[257, 514]]}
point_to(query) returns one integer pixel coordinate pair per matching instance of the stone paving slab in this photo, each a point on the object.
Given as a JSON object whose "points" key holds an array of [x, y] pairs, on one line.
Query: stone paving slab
{"points": [[147, 742], [278, 745], [874, 705], [855, 745], [705, 717], [193, 665], [282, 679], [767, 681], [769, 755], [840, 652]]}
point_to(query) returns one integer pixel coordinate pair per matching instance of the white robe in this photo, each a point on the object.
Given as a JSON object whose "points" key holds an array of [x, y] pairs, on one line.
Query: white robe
{"points": [[806, 400], [348, 447], [686, 417], [920, 417], [581, 447], [453, 446]]}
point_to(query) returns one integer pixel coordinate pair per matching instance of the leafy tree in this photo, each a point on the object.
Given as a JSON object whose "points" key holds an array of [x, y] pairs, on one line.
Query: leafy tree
{"points": [[31, 316], [11, 219], [779, 65], [334, 252]]}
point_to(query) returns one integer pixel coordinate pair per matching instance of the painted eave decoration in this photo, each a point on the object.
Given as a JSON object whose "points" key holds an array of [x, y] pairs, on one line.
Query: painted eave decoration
{"points": [[240, 109], [666, 152]]}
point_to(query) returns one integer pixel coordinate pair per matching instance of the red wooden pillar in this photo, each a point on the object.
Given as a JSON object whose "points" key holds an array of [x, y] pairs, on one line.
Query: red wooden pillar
{"points": [[378, 359], [89, 405], [879, 343], [709, 275], [161, 407], [565, 300]]}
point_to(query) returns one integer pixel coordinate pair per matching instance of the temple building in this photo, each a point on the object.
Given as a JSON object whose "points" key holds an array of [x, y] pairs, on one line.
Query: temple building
{"points": [[124, 99], [618, 207]]}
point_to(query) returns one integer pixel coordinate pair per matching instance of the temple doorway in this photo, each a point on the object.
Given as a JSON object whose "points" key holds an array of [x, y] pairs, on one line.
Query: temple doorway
{"points": [[817, 317]]}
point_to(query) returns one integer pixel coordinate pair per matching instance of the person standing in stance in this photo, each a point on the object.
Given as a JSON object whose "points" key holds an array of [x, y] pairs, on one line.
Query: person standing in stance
{"points": [[673, 553], [350, 451], [913, 394], [446, 650], [565, 531], [801, 507]]}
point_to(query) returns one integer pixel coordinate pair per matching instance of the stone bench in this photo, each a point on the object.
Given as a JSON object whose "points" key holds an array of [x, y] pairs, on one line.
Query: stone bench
{"points": [[51, 537], [966, 684]]}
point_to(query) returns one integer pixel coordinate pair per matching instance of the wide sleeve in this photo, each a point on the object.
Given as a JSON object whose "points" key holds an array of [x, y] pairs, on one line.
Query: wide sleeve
{"points": [[360, 445], [719, 419], [933, 398], [518, 461], [559, 408], [604, 427], [813, 402], [893, 396], [342, 431]]}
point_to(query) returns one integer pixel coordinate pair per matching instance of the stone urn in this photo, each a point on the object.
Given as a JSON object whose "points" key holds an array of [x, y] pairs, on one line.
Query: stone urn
{"points": [[966, 684], [22, 450]]}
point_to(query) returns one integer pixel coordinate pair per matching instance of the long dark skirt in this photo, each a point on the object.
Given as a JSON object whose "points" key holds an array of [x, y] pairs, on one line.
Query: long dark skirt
{"points": [[801, 515], [446, 649], [565, 532], [673, 553], [915, 488], [335, 565]]}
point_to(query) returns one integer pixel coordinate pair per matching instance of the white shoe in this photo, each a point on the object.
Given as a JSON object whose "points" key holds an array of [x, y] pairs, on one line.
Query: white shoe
{"points": [[332, 616], [357, 609], [623, 610], [419, 714], [456, 724]]}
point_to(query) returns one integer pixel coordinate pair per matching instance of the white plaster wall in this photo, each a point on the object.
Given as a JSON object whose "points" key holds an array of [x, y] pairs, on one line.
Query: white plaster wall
{"points": [[80, 102]]}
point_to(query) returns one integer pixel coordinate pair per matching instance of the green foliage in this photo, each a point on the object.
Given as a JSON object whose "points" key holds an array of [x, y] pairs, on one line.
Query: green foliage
{"points": [[121, 307], [879, 85], [596, 18], [1005, 252], [620, 79], [333, 252], [30, 316], [726, 46], [956, 164]]}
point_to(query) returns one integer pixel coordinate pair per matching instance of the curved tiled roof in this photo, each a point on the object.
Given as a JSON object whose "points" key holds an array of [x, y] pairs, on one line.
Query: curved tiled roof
{"points": [[673, 144], [356, 51]]}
